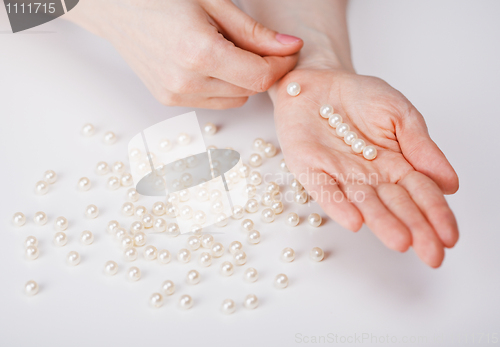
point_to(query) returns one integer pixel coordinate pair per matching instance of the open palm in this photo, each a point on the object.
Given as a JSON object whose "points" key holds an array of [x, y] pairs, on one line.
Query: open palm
{"points": [[399, 195]]}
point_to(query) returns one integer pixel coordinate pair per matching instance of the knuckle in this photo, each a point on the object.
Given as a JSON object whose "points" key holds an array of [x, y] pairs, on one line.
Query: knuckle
{"points": [[264, 81], [198, 54], [180, 85], [168, 98]]}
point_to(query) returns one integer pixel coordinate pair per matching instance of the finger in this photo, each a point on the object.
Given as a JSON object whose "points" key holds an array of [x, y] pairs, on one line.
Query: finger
{"points": [[215, 103], [389, 229], [190, 83], [430, 200], [423, 154], [425, 242]]}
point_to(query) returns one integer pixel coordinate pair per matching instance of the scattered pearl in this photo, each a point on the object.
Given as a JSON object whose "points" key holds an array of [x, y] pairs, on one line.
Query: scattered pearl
{"points": [[314, 219], [61, 223], [102, 168], [200, 217], [253, 237], [130, 254], [277, 207], [235, 246], [186, 212], [369, 152], [250, 275], [32, 252], [210, 129], [88, 130], [191, 161], [184, 195], [132, 195], [293, 89], [50, 176], [113, 183], [221, 220], [267, 199], [126, 179], [135, 154], [183, 139], [19, 219], [165, 145], [128, 209], [326, 111], [73, 258], [205, 259], [244, 170], [226, 268], [84, 184], [250, 190], [150, 252], [193, 243], [203, 194], [31, 241], [110, 268], [255, 160], [148, 220], [160, 225], [140, 239], [300, 197], [40, 218], [238, 212], [240, 257], [184, 255], [168, 287], [228, 306], [207, 241], [127, 242], [91, 211], [159, 208], [259, 144], [247, 225], [134, 274], [349, 137], [193, 277], [109, 138], [60, 239], [173, 229], [217, 250], [86, 237], [252, 206], [288, 255], [270, 150], [292, 219], [136, 226], [140, 211], [156, 300], [164, 256], [283, 166], [267, 215], [316, 254], [31, 288], [255, 178], [296, 185], [41, 188], [185, 302], [358, 145], [112, 226], [281, 281], [335, 120], [251, 302], [120, 233]]}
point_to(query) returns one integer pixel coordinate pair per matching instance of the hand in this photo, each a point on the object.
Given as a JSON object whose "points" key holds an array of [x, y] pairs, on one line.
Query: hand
{"points": [[406, 207], [200, 53]]}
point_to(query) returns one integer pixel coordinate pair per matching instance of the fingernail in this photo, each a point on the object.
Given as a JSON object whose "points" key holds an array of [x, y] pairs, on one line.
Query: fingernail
{"points": [[287, 39]]}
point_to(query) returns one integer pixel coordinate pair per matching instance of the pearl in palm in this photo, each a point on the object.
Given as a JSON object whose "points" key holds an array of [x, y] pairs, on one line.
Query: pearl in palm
{"points": [[134, 274], [235, 246], [228, 306], [60, 239], [193, 277], [314, 219], [150, 252], [50, 176], [342, 129], [184, 255], [102, 168], [250, 275], [86, 237], [109, 138], [164, 256], [61, 223], [31, 288], [185, 302], [73, 258], [240, 257], [156, 300], [88, 130], [217, 250], [226, 268], [210, 129], [335, 120], [349, 137], [326, 111], [40, 218], [316, 254], [281, 281], [358, 145], [84, 184], [110, 268], [251, 302], [288, 255], [292, 219], [41, 188], [293, 89], [168, 287], [207, 241], [369, 152], [91, 211], [183, 139], [253, 237], [31, 252], [130, 254], [19, 219], [205, 259]]}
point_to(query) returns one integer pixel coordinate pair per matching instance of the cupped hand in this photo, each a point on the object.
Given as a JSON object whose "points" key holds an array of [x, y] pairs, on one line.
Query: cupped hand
{"points": [[399, 194], [199, 53]]}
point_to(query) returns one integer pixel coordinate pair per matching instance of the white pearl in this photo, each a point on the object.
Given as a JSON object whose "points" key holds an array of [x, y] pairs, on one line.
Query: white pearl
{"points": [[253, 237], [296, 185], [120, 233], [314, 219], [235, 246], [109, 138], [140, 211], [193, 243], [207, 241], [160, 225], [292, 219], [369, 152], [41, 188], [316, 254], [240, 257], [60, 239], [73, 258], [180, 165], [251, 302], [277, 207], [130, 254], [210, 129], [61, 223], [326, 111], [300, 197], [272, 187], [128, 209], [134, 274], [184, 195], [191, 161], [258, 144], [349, 137], [156, 300], [215, 195], [32, 252], [270, 150], [102, 168], [127, 241], [288, 255], [186, 212], [165, 145], [50, 176], [88, 130], [281, 281], [173, 229], [293, 89], [255, 160], [110, 268], [183, 139], [335, 120], [187, 179], [113, 183], [267, 215], [139, 239], [283, 166], [86, 237], [217, 250], [132, 195], [147, 220], [19, 219], [250, 275], [136, 226], [185, 302], [200, 217], [168, 287], [250, 190], [150, 252], [255, 178], [126, 180], [84, 184], [193, 277], [203, 194], [31, 288], [31, 241], [342, 129], [205, 259], [184, 255], [226, 268], [252, 206], [228, 306], [40, 218], [238, 212], [164, 256], [244, 170], [91, 211], [247, 225], [159, 208], [266, 199], [135, 154], [221, 220]]}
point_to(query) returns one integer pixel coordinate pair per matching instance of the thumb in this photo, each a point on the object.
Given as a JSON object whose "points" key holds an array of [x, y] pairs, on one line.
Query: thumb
{"points": [[248, 34]]}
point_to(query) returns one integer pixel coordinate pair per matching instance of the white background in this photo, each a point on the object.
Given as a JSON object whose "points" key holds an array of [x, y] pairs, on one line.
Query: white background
{"points": [[443, 55]]}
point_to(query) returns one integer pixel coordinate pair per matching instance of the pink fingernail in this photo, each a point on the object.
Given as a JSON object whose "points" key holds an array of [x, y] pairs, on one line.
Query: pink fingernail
{"points": [[287, 39]]}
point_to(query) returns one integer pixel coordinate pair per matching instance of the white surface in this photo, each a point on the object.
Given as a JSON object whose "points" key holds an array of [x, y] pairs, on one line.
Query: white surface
{"points": [[442, 55]]}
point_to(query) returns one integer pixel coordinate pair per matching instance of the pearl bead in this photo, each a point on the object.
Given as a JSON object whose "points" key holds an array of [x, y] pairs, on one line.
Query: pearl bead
{"points": [[61, 223], [266, 199], [128, 209], [31, 241], [349, 137], [110, 268], [160, 225], [342, 129], [173, 229], [136, 226], [244, 170], [60, 239], [326, 111], [250, 275], [221, 220], [296, 185], [132, 195], [130, 254], [267, 215], [210, 129], [185, 302], [255, 178], [127, 241], [102, 168], [205, 259], [251, 302], [217, 250], [277, 207], [250, 190], [159, 208], [316, 254], [253, 237], [203, 194], [164, 256], [41, 188], [292, 219], [40, 218], [91, 211], [140, 211], [126, 180], [139, 239], [183, 139], [272, 187], [31, 288], [358, 145], [191, 161], [120, 233], [150, 252], [301, 197], [314, 219], [184, 195], [226, 268], [84, 184], [235, 246], [288, 255], [369, 152], [168, 287], [32, 252], [258, 144], [200, 217], [228, 306], [281, 281], [134, 274], [156, 300], [252, 206], [238, 212], [186, 180], [255, 160], [207, 241], [240, 257], [135, 154], [165, 145], [193, 243], [113, 183], [86, 237], [193, 277], [270, 150], [73, 258], [109, 138], [293, 89], [283, 166], [88, 130], [147, 220], [19, 219], [247, 225], [335, 120], [184, 255], [50, 176], [186, 212]]}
